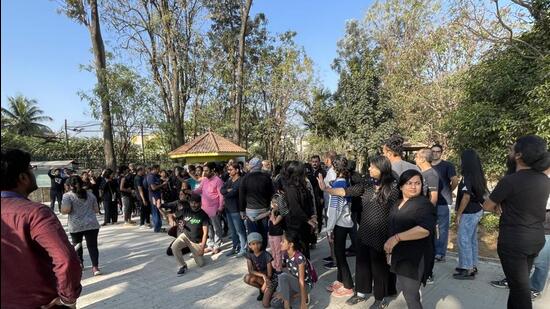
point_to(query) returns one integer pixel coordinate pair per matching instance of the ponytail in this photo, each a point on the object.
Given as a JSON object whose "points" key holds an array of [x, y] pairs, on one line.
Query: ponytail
{"points": [[76, 184]]}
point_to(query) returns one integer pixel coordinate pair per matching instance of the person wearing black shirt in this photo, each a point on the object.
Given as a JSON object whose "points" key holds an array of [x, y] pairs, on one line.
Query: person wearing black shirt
{"points": [[126, 192], [192, 232], [315, 162], [301, 217], [255, 195], [471, 189], [230, 192], [57, 188], [109, 189], [410, 248], [447, 184], [522, 197], [142, 198]]}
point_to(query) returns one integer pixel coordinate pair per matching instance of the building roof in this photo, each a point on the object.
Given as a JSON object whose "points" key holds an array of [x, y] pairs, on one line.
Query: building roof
{"points": [[208, 144]]}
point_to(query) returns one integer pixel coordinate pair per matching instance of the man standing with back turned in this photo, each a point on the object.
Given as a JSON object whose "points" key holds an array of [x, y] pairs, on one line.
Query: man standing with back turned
{"points": [[39, 265]]}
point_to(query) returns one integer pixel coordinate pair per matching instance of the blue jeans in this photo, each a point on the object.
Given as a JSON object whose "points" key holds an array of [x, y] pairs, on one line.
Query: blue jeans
{"points": [[238, 232], [442, 236], [467, 240], [155, 216], [259, 226], [542, 265]]}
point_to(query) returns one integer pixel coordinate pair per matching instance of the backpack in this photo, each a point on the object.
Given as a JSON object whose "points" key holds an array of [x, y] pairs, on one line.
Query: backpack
{"points": [[312, 272], [280, 199]]}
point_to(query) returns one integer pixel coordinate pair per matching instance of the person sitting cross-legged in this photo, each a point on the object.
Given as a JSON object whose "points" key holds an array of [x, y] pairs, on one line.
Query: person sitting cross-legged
{"points": [[192, 232]]}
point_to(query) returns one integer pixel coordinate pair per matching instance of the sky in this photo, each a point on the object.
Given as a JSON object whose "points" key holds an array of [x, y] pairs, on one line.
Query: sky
{"points": [[42, 51]]}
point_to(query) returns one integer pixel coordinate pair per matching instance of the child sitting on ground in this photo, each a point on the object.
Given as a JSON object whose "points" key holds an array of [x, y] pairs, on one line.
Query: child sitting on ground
{"points": [[260, 272], [300, 277]]}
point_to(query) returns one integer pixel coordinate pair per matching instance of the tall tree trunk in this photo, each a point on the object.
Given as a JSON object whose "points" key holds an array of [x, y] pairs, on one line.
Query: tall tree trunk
{"points": [[100, 67], [240, 68]]}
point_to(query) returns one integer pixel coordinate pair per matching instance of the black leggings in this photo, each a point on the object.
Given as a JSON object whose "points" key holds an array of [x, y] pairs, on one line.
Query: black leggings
{"points": [[340, 237], [91, 243], [371, 265]]}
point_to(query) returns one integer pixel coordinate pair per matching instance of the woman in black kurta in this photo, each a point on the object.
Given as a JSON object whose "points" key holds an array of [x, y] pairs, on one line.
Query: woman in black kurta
{"points": [[377, 198], [410, 248]]}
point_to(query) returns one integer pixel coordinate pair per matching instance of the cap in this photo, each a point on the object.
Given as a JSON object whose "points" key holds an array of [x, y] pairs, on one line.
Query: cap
{"points": [[254, 236]]}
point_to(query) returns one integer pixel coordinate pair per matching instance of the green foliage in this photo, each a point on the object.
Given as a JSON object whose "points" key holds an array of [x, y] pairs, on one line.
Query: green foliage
{"points": [[505, 96], [490, 222], [24, 117]]}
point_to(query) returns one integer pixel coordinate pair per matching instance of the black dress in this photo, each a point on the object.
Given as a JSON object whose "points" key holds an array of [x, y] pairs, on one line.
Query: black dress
{"points": [[407, 255]]}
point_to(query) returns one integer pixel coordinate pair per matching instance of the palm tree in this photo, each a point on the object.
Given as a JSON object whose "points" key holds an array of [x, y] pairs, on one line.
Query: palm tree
{"points": [[23, 117]]}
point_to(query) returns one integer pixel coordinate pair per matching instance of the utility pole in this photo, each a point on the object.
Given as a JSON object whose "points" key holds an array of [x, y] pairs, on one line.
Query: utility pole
{"points": [[66, 139], [142, 144]]}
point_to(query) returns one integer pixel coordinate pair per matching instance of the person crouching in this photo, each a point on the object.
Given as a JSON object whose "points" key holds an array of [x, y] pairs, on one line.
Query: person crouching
{"points": [[260, 272], [192, 232]]}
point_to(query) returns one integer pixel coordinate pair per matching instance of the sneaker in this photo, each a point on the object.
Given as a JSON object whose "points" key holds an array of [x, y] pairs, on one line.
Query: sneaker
{"points": [[343, 292], [534, 295], [439, 258], [260, 296], [503, 284], [334, 286], [240, 254], [458, 269], [215, 251], [355, 299], [327, 259], [430, 280], [464, 275], [379, 304], [182, 270], [231, 253], [143, 227], [96, 271], [330, 265]]}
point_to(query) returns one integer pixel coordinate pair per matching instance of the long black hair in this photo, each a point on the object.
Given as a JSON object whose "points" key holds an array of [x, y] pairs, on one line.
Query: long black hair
{"points": [[296, 174], [386, 178], [472, 170], [534, 152], [76, 184], [340, 165], [294, 238]]}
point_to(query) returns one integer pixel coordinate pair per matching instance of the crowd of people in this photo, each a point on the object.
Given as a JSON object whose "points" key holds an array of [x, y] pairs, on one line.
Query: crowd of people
{"points": [[396, 218]]}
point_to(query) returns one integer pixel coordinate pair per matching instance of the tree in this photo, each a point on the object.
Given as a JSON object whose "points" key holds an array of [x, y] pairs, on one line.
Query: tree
{"points": [[163, 32], [24, 117], [86, 12], [245, 9], [133, 99], [363, 114]]}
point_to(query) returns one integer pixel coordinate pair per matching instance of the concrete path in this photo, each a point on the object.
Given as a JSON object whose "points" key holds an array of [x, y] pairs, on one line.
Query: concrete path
{"points": [[137, 273]]}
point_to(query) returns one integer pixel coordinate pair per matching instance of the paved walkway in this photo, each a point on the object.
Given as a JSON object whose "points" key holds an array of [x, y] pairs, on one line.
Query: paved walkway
{"points": [[139, 274]]}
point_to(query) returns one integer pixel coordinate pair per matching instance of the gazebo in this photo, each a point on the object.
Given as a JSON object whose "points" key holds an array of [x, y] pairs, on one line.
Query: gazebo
{"points": [[208, 147]]}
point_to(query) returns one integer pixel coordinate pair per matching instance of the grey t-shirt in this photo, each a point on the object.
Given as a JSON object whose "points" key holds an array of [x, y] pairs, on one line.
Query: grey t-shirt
{"points": [[400, 166], [82, 216], [431, 181]]}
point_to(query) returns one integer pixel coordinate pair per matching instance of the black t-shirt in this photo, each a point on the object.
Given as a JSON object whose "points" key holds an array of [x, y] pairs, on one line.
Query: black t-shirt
{"points": [[57, 182], [138, 182], [475, 203], [174, 185], [522, 196], [128, 184], [192, 222], [406, 255], [446, 171], [276, 229]]}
